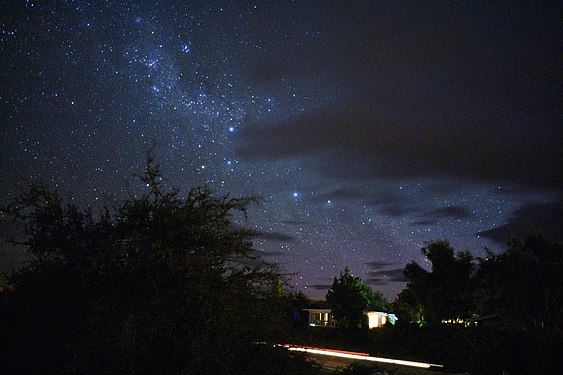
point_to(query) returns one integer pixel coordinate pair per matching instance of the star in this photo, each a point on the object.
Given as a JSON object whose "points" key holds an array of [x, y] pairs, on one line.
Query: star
{"points": [[364, 131]]}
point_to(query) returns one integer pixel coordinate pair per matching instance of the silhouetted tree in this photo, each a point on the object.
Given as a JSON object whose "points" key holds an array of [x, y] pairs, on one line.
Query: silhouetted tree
{"points": [[443, 293], [348, 298], [521, 288], [377, 300], [524, 284], [408, 308], [299, 300], [156, 284]]}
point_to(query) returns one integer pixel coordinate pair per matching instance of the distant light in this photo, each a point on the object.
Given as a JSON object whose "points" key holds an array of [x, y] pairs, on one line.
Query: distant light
{"points": [[295, 194], [231, 129]]}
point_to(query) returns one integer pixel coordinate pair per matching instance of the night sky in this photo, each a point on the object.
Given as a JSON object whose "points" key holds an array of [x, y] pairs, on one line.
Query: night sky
{"points": [[367, 128]]}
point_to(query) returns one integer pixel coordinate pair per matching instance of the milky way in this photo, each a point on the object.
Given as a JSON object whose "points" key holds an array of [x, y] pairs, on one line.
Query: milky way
{"points": [[365, 129]]}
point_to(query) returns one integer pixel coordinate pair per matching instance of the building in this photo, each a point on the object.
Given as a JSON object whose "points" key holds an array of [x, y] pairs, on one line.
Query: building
{"points": [[320, 315], [379, 318]]}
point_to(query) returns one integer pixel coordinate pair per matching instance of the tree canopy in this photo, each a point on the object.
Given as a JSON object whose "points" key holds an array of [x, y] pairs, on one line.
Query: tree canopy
{"points": [[445, 292], [523, 284], [349, 298], [162, 283]]}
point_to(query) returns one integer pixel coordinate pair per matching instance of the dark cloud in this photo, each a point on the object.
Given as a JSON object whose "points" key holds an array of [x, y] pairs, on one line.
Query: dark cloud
{"points": [[275, 236], [351, 144], [336, 195], [382, 275], [404, 207], [379, 264], [398, 210], [377, 281], [392, 203], [434, 216], [543, 218], [390, 275], [457, 212], [459, 96], [386, 198], [271, 236], [424, 222]]}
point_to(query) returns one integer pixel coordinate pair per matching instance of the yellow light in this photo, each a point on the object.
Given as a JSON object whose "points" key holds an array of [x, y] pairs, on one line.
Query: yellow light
{"points": [[372, 320]]}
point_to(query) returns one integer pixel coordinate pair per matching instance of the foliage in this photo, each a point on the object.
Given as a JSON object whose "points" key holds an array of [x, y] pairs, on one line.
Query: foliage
{"points": [[476, 350], [377, 300], [524, 283], [443, 293], [408, 308], [348, 298], [156, 284], [520, 288], [297, 301], [485, 349]]}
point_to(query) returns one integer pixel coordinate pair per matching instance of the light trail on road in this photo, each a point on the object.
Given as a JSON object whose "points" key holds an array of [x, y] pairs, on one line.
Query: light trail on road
{"points": [[358, 356]]}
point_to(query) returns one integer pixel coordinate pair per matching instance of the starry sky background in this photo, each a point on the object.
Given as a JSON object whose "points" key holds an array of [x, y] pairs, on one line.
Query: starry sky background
{"points": [[367, 127]]}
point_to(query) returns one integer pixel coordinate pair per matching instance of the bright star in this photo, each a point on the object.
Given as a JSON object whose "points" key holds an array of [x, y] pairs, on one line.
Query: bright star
{"points": [[186, 48]]}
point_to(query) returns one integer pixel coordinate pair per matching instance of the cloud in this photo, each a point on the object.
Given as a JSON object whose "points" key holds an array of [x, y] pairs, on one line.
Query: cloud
{"points": [[397, 206], [398, 210], [379, 264], [269, 236], [424, 222], [434, 216], [275, 236], [390, 275], [382, 275], [386, 198], [452, 97], [457, 212], [338, 195], [392, 203], [545, 218], [354, 142], [377, 281]]}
